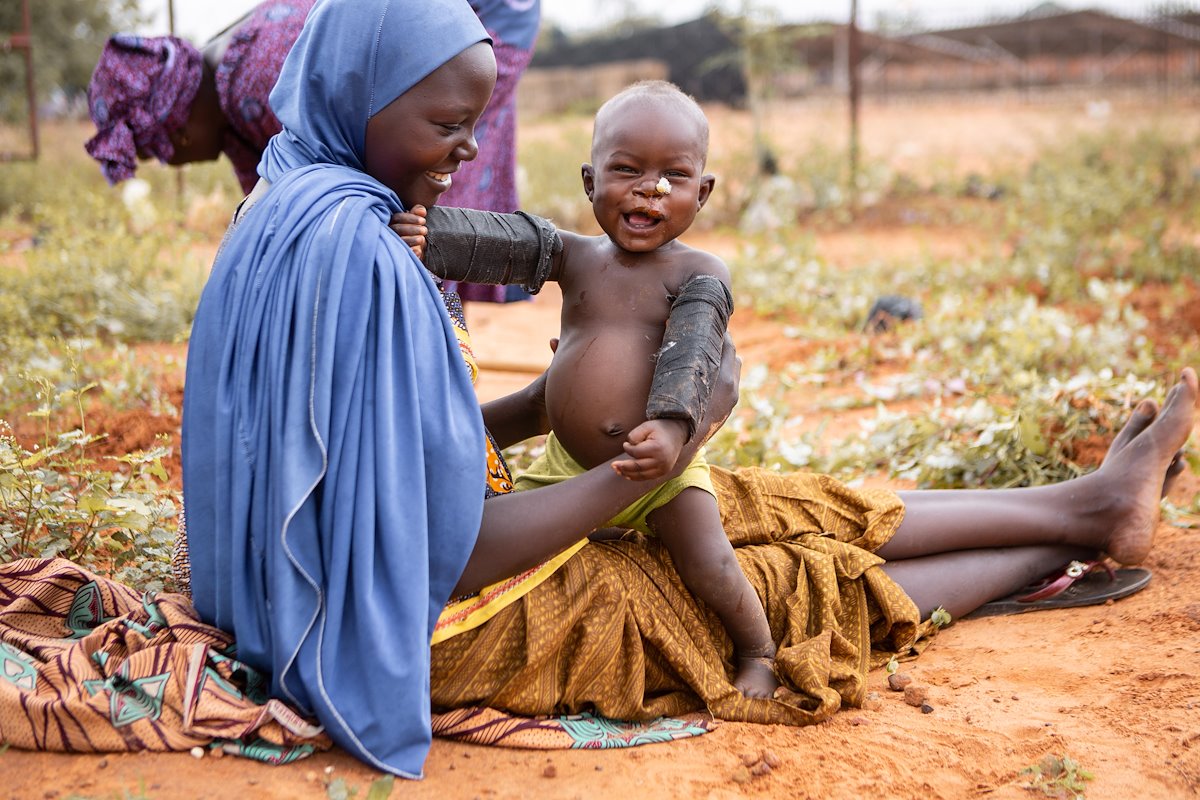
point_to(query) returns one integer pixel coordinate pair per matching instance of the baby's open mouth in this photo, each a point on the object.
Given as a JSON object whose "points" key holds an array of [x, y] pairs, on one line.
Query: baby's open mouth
{"points": [[441, 177], [644, 218]]}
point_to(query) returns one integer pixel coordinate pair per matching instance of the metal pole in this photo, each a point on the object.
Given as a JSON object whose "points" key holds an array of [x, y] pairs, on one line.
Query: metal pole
{"points": [[852, 66], [27, 26]]}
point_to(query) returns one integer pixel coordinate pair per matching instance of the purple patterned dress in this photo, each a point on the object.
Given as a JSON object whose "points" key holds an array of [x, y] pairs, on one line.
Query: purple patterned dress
{"points": [[489, 183], [246, 75]]}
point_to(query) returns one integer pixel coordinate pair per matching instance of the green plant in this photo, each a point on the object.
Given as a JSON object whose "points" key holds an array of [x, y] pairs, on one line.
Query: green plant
{"points": [[56, 501], [116, 515], [1098, 206], [339, 789], [1058, 776], [988, 441]]}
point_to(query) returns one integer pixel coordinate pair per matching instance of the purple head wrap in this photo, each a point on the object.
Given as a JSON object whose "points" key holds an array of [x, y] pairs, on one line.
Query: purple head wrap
{"points": [[141, 91]]}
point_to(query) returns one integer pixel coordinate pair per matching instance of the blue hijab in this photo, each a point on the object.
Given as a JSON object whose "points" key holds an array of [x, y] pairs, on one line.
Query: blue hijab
{"points": [[333, 449]]}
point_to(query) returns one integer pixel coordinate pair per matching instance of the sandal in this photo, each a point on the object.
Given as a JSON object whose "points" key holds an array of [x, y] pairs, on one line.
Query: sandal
{"points": [[1079, 583]]}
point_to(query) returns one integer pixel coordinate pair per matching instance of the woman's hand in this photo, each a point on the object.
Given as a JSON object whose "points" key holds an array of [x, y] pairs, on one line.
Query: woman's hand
{"points": [[520, 415], [410, 226], [720, 405], [536, 392]]}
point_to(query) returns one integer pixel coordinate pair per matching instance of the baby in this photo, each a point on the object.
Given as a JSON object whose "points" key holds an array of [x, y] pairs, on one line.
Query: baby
{"points": [[646, 184]]}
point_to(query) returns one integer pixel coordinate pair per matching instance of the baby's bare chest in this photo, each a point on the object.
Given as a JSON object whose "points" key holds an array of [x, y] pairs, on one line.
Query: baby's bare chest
{"points": [[621, 294]]}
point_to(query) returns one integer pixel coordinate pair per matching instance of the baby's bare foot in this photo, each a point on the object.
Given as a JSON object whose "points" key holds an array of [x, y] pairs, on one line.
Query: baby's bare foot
{"points": [[1140, 466], [756, 677]]}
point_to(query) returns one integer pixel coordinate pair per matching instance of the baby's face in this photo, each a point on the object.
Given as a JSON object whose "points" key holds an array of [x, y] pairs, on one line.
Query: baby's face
{"points": [[647, 180]]}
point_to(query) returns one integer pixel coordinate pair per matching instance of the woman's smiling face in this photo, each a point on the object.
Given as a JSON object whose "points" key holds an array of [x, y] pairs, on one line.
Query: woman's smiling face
{"points": [[647, 180], [415, 144]]}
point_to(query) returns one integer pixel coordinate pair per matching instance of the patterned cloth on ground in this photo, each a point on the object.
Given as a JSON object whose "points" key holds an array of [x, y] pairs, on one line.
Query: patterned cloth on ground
{"points": [[615, 631], [490, 726], [88, 665]]}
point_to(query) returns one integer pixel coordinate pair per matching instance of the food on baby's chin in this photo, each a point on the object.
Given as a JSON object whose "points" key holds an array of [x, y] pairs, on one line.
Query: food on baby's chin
{"points": [[663, 186]]}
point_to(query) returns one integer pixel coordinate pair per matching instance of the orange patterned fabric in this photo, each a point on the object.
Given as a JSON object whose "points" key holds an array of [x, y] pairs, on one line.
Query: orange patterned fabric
{"points": [[89, 665], [615, 631]]}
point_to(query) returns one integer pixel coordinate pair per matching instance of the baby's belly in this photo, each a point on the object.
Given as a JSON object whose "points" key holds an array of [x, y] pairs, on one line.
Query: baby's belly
{"points": [[596, 393]]}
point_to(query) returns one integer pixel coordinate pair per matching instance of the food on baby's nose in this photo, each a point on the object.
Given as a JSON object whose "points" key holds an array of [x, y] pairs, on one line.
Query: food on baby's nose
{"points": [[663, 186]]}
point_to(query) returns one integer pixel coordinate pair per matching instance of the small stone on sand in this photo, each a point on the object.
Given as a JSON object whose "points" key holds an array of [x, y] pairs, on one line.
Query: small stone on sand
{"points": [[914, 694]]}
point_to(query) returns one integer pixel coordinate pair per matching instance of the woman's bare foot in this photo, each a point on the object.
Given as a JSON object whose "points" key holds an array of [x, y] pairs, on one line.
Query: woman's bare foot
{"points": [[756, 676], [1139, 466], [1143, 414]]}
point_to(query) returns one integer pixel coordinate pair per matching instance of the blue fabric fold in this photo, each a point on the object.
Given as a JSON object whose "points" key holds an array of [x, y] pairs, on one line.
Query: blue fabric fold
{"points": [[333, 449], [333, 457]]}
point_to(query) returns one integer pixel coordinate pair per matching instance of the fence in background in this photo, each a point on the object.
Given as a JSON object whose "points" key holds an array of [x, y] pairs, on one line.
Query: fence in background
{"points": [[1047, 53]]}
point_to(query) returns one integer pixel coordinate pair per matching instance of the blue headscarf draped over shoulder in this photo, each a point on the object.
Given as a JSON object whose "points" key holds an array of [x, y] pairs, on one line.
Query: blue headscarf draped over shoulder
{"points": [[333, 449]]}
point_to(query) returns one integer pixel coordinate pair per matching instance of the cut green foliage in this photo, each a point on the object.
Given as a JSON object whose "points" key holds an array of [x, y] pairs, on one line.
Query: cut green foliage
{"points": [[1058, 776], [1187, 516], [990, 440], [1020, 432], [380, 789], [1098, 206]]}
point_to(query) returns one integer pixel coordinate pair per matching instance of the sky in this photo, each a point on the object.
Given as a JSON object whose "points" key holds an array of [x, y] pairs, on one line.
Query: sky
{"points": [[197, 20]]}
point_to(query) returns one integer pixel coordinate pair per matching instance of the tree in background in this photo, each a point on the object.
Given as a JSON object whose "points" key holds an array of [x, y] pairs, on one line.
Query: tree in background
{"points": [[68, 36]]}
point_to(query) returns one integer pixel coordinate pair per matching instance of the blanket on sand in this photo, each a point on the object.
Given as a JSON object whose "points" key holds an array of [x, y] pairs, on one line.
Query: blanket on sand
{"points": [[90, 665]]}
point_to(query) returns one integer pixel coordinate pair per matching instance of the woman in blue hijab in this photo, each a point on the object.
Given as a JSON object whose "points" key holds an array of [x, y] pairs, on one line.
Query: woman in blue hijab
{"points": [[334, 453], [330, 424]]}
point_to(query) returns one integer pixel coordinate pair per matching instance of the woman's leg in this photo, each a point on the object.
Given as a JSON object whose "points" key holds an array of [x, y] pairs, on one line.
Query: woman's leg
{"points": [[962, 548], [962, 581]]}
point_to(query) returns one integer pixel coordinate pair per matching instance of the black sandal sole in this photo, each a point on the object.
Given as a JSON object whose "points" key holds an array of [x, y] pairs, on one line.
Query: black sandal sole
{"points": [[1092, 589]]}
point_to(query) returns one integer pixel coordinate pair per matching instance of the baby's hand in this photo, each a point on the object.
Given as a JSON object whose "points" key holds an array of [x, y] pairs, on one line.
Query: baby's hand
{"points": [[653, 448], [410, 225]]}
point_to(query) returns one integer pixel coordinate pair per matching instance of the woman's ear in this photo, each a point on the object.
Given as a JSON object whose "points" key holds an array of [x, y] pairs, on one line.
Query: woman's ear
{"points": [[707, 182], [589, 180]]}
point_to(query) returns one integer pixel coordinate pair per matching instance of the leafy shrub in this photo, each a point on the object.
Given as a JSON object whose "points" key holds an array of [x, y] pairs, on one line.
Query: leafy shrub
{"points": [[55, 501]]}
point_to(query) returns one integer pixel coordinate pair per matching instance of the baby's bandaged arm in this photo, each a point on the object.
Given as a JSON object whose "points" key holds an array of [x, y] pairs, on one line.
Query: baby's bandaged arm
{"points": [[690, 357], [486, 247]]}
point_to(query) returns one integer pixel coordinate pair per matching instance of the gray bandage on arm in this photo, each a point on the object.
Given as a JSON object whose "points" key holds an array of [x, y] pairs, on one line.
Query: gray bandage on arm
{"points": [[690, 357], [486, 247]]}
